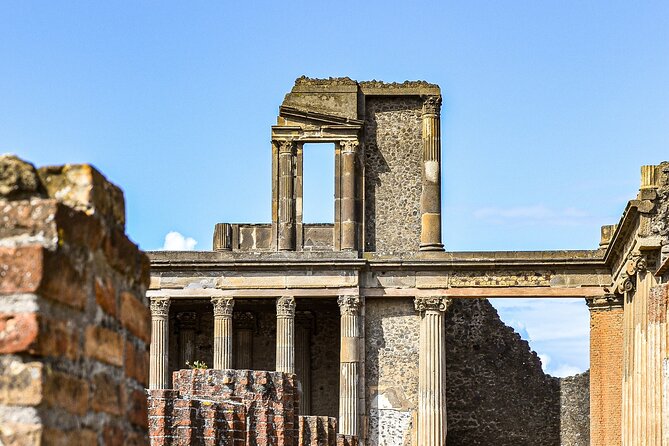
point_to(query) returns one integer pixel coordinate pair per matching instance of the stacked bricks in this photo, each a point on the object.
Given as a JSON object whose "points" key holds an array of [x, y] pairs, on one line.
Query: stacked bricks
{"points": [[74, 320], [236, 408]]}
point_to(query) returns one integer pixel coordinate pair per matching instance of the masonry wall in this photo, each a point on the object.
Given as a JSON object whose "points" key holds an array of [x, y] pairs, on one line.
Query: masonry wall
{"points": [[74, 322], [497, 392], [393, 150]]}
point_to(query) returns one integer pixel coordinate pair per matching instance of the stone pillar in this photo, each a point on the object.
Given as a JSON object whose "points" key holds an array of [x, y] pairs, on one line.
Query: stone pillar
{"points": [[244, 326], [304, 323], [160, 310], [606, 369], [430, 198], [286, 196], [223, 307], [350, 366], [285, 334], [349, 219], [187, 323], [432, 371]]}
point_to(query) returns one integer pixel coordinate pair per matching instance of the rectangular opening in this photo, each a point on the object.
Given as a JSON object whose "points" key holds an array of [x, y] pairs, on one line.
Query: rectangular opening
{"points": [[318, 183]]}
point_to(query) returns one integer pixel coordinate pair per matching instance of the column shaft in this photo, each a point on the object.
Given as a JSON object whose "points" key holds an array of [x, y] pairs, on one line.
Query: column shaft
{"points": [[430, 199], [286, 196], [223, 309], [432, 372], [349, 220], [285, 334], [158, 376], [349, 358]]}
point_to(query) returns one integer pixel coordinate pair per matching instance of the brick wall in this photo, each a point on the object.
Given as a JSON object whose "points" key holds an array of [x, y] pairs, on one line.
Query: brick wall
{"points": [[74, 322], [236, 407], [606, 358]]}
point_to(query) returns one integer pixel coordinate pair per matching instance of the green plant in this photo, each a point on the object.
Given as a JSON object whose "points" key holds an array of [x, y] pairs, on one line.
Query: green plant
{"points": [[197, 365]]}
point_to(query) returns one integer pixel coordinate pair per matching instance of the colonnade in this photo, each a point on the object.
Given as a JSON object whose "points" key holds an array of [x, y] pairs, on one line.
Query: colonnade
{"points": [[431, 427]]}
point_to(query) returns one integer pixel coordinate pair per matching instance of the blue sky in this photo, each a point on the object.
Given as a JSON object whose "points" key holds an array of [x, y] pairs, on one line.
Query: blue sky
{"points": [[549, 110]]}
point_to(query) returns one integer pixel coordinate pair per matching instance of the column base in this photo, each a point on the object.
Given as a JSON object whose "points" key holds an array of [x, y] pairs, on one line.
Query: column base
{"points": [[431, 247]]}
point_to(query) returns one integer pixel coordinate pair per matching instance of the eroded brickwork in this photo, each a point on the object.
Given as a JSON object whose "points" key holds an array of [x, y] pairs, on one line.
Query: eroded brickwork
{"points": [[393, 155], [575, 410], [74, 320], [236, 408]]}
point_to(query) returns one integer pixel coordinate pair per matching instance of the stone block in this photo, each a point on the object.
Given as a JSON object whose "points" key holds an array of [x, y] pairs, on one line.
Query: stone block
{"points": [[136, 316], [18, 331], [104, 344], [105, 296], [21, 383], [20, 434], [66, 392], [19, 179], [137, 363], [106, 394]]}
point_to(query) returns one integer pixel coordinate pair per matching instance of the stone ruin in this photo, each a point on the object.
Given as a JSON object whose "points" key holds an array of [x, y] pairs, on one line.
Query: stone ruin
{"points": [[374, 334]]}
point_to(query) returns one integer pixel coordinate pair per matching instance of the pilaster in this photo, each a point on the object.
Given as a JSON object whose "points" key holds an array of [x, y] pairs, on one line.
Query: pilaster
{"points": [[160, 310]]}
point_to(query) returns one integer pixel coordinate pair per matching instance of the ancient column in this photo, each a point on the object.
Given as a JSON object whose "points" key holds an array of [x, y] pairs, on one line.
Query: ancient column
{"points": [[158, 376], [349, 226], [430, 198], [244, 325], [304, 321], [349, 360], [285, 334], [286, 197], [223, 307], [606, 369], [187, 323], [432, 371]]}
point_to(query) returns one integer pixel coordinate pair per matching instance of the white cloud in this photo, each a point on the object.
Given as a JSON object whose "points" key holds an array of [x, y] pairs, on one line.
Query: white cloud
{"points": [[532, 215], [174, 241], [565, 370], [545, 361]]}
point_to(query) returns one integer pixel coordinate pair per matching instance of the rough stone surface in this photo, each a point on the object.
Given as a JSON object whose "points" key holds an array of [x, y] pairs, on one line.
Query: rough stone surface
{"points": [[575, 410], [393, 153], [64, 378]]}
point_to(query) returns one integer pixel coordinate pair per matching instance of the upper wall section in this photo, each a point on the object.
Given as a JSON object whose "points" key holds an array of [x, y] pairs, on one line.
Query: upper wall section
{"points": [[387, 169]]}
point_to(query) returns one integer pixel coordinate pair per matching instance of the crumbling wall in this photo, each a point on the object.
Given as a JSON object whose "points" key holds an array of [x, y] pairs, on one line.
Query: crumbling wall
{"points": [[497, 392], [393, 151], [74, 320], [236, 407]]}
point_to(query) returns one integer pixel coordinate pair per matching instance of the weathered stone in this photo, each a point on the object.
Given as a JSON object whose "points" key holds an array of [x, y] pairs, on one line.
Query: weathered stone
{"points": [[19, 179]]}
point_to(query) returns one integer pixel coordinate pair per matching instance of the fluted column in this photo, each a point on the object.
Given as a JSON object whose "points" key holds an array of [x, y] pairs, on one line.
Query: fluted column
{"points": [[349, 219], [349, 360], [430, 198], [187, 323], [223, 307], [286, 228], [244, 326], [432, 371], [285, 334], [158, 377], [304, 322]]}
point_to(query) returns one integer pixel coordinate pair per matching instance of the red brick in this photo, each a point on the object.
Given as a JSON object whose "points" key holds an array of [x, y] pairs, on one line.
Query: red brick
{"points": [[17, 331], [136, 316], [104, 345], [105, 296]]}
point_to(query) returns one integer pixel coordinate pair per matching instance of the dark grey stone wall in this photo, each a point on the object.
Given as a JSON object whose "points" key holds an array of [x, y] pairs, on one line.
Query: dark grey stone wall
{"points": [[575, 410], [393, 148]]}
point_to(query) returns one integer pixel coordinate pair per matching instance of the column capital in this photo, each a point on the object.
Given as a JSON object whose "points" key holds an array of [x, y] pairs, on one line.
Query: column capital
{"points": [[349, 304], [285, 307], [160, 307], [432, 303], [349, 146], [285, 146], [223, 306], [604, 303], [432, 105]]}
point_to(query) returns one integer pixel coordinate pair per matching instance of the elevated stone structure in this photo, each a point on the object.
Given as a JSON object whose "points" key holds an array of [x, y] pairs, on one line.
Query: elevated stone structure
{"points": [[74, 319], [378, 287]]}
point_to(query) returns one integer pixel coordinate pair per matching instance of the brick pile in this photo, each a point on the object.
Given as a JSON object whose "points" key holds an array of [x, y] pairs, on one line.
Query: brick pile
{"points": [[74, 320], [236, 408]]}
